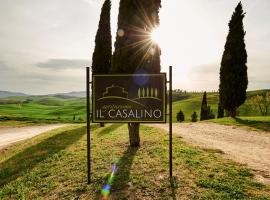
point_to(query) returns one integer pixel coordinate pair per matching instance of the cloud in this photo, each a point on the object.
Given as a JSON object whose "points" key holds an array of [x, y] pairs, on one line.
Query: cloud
{"points": [[206, 72], [35, 80], [3, 65], [61, 64], [204, 77], [93, 2]]}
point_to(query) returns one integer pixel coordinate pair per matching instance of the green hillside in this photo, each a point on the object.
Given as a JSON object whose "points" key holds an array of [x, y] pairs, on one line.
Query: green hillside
{"points": [[193, 103], [58, 108], [42, 108]]}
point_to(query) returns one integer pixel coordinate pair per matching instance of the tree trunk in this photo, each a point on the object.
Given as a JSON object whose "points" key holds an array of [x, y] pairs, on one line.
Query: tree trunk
{"points": [[134, 136], [233, 113], [101, 124]]}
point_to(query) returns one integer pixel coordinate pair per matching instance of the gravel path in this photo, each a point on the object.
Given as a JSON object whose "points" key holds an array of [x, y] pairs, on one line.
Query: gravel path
{"points": [[9, 135], [242, 145]]}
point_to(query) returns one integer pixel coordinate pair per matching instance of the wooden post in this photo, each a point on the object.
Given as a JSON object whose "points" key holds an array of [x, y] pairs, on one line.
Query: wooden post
{"points": [[88, 126]]}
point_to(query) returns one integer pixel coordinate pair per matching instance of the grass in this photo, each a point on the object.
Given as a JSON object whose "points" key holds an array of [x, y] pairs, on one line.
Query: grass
{"points": [[53, 166], [257, 123], [12, 123], [44, 109], [193, 104]]}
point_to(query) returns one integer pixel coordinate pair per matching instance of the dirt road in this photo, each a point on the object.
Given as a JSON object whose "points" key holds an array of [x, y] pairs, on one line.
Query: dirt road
{"points": [[9, 135], [242, 145]]}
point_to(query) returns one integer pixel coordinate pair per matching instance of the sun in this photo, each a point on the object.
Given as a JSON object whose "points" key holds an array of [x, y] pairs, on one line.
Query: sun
{"points": [[156, 35]]}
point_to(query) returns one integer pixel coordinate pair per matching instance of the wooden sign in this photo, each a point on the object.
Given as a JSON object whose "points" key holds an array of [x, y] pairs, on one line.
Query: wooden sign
{"points": [[129, 98]]}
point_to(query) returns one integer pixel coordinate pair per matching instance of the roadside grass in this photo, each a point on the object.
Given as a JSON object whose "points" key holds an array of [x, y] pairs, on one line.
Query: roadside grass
{"points": [[13, 123], [53, 166], [256, 123]]}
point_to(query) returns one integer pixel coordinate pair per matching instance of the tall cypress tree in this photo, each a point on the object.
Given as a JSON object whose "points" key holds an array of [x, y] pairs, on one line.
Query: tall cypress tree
{"points": [[101, 59], [233, 71], [204, 109], [134, 50]]}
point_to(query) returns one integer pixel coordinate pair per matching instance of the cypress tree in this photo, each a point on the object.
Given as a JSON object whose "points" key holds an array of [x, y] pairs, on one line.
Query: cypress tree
{"points": [[204, 110], [134, 50], [101, 58], [233, 70]]}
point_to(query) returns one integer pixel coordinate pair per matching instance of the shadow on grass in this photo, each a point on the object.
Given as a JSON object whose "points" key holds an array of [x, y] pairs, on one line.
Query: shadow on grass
{"points": [[262, 125], [109, 129], [31, 156], [122, 175]]}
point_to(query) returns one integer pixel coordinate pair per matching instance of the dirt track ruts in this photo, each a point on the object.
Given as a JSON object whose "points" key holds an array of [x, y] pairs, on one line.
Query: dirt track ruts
{"points": [[240, 144]]}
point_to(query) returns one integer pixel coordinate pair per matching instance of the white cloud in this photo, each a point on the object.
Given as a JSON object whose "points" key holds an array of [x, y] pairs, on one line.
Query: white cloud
{"points": [[60, 64]]}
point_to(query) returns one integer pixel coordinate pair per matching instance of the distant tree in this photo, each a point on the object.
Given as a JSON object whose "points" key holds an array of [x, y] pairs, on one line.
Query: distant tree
{"points": [[203, 114], [210, 114], [194, 117], [233, 70], [101, 59], [180, 116], [261, 102], [135, 52], [220, 111]]}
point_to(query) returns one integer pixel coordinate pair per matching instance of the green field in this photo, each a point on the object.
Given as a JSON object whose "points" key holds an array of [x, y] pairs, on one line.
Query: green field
{"points": [[193, 103], [63, 109], [53, 166], [43, 108]]}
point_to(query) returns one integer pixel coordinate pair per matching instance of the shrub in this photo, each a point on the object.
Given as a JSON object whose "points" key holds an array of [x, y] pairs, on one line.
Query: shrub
{"points": [[194, 117], [210, 114], [180, 116]]}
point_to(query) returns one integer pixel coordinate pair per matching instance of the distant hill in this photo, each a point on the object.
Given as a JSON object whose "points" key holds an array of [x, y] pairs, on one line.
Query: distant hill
{"points": [[4, 94], [70, 94]]}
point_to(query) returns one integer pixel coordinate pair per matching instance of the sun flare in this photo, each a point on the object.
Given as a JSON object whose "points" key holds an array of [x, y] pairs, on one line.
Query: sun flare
{"points": [[156, 35]]}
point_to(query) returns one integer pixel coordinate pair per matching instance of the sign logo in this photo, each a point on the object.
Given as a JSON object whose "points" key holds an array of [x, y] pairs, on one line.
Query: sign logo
{"points": [[129, 98]]}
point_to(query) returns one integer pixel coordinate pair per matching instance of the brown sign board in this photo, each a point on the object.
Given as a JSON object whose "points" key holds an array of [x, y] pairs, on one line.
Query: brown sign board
{"points": [[129, 98]]}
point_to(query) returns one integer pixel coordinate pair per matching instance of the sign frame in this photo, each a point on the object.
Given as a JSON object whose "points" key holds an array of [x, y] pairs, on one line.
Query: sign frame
{"points": [[164, 98], [89, 114]]}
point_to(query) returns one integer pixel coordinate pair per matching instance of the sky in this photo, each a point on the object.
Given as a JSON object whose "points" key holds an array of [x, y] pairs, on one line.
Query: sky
{"points": [[45, 45]]}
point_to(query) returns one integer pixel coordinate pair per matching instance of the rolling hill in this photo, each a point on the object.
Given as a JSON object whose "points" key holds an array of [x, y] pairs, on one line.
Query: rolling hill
{"points": [[61, 108], [193, 104], [4, 94]]}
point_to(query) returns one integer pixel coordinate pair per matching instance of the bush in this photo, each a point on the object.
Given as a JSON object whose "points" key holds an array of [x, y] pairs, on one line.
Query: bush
{"points": [[180, 116], [210, 114], [194, 117]]}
